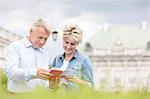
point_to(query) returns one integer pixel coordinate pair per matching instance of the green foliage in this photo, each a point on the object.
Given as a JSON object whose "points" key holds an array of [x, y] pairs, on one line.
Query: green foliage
{"points": [[84, 93], [3, 81]]}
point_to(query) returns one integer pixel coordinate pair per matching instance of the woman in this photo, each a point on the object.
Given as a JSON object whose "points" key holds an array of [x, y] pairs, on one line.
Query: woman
{"points": [[72, 60]]}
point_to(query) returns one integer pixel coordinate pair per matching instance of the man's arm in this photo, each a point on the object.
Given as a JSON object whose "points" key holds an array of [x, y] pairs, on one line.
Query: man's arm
{"points": [[12, 64]]}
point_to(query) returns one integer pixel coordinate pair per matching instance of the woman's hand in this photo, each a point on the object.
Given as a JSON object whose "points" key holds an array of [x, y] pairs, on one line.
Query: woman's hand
{"points": [[54, 83], [75, 79]]}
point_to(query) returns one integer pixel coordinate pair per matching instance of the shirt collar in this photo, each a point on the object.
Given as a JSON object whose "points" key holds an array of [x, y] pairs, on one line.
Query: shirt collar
{"points": [[76, 53], [28, 44]]}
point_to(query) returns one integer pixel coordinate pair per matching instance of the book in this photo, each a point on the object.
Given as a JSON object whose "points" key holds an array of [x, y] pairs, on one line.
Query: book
{"points": [[56, 72], [67, 73]]}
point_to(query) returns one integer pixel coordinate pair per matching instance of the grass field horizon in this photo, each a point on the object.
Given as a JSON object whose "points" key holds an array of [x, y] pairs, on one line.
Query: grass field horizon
{"points": [[83, 93]]}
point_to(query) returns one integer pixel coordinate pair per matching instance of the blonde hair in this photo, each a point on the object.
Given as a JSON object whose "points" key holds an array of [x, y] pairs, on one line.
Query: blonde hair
{"points": [[42, 23], [74, 32]]}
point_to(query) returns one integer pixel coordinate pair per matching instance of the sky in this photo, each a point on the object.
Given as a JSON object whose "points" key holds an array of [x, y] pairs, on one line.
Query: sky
{"points": [[90, 15]]}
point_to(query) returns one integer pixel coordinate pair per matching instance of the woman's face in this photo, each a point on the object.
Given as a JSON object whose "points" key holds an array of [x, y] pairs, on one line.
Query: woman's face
{"points": [[69, 45]]}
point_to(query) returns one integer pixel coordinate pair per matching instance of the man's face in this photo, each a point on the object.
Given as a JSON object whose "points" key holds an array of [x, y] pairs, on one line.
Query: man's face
{"points": [[38, 37]]}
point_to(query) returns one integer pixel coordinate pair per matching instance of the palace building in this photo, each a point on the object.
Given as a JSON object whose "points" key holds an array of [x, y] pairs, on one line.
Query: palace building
{"points": [[121, 68], [6, 37]]}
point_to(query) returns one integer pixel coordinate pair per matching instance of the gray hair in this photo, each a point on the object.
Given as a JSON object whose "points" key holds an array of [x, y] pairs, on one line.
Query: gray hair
{"points": [[73, 31], [42, 23]]}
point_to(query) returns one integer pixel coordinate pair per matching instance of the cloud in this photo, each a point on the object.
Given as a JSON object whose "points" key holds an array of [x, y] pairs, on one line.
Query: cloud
{"points": [[17, 15]]}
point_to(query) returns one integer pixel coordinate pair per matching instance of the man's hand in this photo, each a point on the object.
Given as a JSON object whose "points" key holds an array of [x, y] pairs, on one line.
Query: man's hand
{"points": [[43, 73]]}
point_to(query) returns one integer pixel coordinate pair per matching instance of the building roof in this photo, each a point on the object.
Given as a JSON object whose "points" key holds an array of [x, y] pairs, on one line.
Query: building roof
{"points": [[129, 35]]}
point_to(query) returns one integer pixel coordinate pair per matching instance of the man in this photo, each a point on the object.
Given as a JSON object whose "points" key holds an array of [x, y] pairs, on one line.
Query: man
{"points": [[27, 62]]}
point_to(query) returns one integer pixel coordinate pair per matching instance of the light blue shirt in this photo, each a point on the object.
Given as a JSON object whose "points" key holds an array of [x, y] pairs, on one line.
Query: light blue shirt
{"points": [[80, 65], [22, 61]]}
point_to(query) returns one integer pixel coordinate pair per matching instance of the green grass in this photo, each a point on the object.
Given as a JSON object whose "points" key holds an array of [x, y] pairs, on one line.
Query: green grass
{"points": [[84, 93]]}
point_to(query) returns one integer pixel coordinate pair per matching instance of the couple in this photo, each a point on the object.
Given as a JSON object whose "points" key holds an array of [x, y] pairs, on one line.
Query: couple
{"points": [[27, 63]]}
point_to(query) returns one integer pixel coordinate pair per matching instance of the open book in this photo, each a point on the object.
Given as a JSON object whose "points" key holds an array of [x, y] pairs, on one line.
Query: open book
{"points": [[56, 72]]}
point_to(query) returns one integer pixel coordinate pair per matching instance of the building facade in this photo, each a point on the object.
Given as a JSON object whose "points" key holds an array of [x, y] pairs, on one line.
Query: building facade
{"points": [[6, 37], [121, 68]]}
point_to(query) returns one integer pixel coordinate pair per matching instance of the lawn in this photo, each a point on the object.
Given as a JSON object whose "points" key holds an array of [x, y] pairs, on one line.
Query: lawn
{"points": [[84, 93]]}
